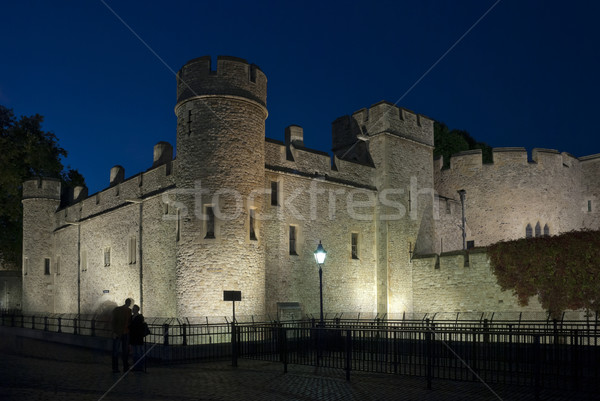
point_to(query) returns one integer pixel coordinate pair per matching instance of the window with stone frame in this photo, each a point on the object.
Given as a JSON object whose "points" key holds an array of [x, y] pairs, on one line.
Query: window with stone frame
{"points": [[57, 266], [528, 231], [354, 245], [84, 260], [210, 222], [132, 250], [274, 193], [46, 266], [251, 224], [107, 256], [293, 236], [178, 225]]}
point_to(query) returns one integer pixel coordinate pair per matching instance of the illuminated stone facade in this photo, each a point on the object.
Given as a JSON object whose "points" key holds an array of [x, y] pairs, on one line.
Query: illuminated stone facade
{"points": [[238, 211]]}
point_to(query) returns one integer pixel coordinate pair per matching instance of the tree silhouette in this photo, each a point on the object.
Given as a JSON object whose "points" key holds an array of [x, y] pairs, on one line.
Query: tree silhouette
{"points": [[26, 152]]}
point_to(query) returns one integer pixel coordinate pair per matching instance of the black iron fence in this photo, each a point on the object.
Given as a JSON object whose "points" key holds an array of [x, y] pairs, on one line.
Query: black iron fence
{"points": [[567, 360], [543, 354], [64, 323], [171, 340]]}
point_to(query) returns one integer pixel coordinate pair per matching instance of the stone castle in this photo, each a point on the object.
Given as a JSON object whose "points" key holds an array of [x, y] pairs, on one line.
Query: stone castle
{"points": [[238, 211]]}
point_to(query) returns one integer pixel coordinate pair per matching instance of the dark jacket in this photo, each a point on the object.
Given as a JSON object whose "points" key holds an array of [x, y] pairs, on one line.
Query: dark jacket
{"points": [[137, 330], [121, 320]]}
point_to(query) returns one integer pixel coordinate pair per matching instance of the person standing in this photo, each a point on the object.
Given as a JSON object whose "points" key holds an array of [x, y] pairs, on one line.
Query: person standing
{"points": [[137, 332], [121, 320]]}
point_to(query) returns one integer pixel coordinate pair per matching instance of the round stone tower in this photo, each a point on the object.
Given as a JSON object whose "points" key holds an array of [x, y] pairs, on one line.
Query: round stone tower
{"points": [[220, 167], [41, 199]]}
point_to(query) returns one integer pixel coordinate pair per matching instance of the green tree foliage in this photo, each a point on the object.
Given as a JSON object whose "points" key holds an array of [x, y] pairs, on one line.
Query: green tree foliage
{"points": [[448, 142], [26, 151], [563, 271]]}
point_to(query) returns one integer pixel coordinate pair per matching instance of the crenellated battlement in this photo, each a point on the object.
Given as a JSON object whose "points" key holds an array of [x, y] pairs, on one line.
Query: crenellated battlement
{"points": [[292, 156], [509, 156], [45, 188], [239, 211], [472, 160], [379, 118], [77, 204], [467, 160], [233, 77]]}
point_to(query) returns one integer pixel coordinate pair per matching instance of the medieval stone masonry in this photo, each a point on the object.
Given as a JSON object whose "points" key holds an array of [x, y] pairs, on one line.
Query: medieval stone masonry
{"points": [[238, 211]]}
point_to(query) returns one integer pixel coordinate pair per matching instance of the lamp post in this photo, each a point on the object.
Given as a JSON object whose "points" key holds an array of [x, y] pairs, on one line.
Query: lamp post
{"points": [[320, 255]]}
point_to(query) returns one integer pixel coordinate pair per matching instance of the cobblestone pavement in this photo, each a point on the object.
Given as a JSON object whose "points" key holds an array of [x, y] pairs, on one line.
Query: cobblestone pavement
{"points": [[36, 370]]}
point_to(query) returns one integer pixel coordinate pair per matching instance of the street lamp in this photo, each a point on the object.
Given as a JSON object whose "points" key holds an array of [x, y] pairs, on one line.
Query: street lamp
{"points": [[320, 255]]}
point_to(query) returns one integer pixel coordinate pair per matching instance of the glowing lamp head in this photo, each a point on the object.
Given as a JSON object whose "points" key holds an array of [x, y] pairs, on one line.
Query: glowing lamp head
{"points": [[320, 254]]}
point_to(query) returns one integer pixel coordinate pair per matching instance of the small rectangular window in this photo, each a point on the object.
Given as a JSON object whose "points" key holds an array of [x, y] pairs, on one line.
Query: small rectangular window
{"points": [[106, 256], [25, 265], [47, 266], [57, 265], [589, 206], [132, 250], [293, 240], [251, 224], [210, 222], [409, 201], [470, 244], [274, 193], [178, 225], [354, 245]]}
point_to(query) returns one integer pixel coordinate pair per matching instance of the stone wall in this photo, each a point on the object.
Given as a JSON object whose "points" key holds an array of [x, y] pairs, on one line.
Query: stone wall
{"points": [[11, 289], [319, 210], [382, 186], [75, 238], [590, 167], [41, 199], [502, 198], [446, 284], [221, 163]]}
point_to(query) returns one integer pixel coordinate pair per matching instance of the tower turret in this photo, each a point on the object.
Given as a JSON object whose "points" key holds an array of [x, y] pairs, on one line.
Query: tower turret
{"points": [[220, 166], [41, 199]]}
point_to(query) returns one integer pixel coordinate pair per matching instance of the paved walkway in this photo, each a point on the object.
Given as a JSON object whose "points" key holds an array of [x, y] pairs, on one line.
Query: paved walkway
{"points": [[37, 370]]}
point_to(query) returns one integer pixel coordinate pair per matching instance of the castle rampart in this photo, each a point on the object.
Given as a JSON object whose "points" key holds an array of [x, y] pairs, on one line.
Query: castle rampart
{"points": [[512, 195], [461, 282], [233, 77], [379, 118], [46, 188], [237, 211]]}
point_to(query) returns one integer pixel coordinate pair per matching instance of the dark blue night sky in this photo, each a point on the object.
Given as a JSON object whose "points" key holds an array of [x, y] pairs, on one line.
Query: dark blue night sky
{"points": [[526, 75]]}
